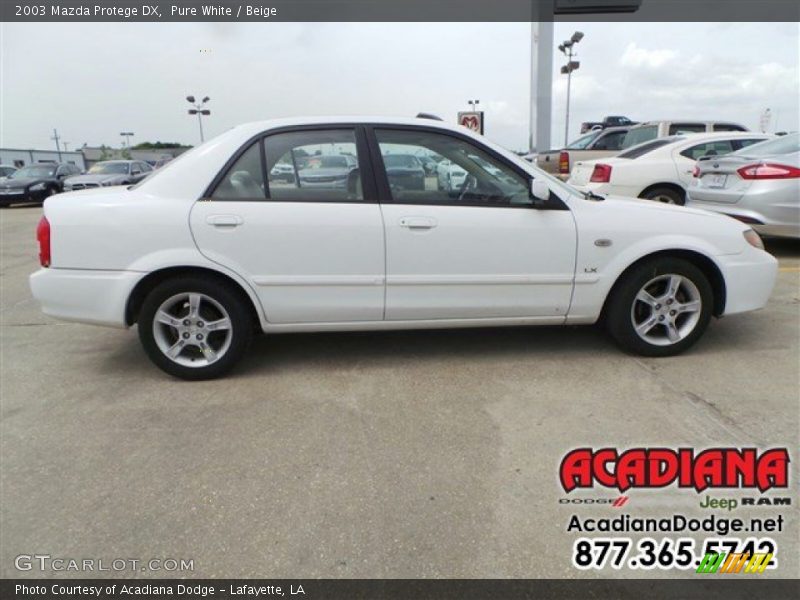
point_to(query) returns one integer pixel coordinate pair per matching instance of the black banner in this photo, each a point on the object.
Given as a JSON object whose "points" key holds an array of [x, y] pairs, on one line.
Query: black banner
{"points": [[400, 10], [705, 587]]}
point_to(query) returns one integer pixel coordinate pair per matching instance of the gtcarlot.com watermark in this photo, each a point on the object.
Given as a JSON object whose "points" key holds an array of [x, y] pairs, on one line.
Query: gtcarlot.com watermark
{"points": [[46, 562]]}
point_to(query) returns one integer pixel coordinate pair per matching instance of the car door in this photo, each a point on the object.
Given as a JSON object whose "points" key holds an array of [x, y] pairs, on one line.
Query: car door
{"points": [[311, 246], [476, 250]]}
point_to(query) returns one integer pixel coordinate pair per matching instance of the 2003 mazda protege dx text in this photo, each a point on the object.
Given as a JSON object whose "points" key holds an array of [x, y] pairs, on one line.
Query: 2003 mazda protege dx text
{"points": [[220, 243]]}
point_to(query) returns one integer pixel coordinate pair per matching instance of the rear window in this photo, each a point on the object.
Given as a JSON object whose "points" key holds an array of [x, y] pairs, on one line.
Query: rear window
{"points": [[728, 127], [643, 149], [782, 145], [676, 128], [637, 135]]}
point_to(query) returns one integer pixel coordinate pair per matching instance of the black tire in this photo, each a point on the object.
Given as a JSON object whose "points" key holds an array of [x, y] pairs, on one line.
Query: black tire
{"points": [[215, 291], [665, 195], [623, 308]]}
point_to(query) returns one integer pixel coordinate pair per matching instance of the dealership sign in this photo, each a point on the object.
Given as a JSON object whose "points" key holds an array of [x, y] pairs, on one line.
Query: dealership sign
{"points": [[660, 467], [472, 120]]}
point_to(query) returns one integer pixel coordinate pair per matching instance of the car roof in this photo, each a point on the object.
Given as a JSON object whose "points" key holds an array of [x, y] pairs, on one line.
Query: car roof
{"points": [[699, 138], [258, 126], [686, 121]]}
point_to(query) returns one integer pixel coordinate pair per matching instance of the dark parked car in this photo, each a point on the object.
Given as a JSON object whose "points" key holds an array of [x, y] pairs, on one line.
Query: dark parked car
{"points": [[327, 170], [110, 172], [36, 182], [405, 172]]}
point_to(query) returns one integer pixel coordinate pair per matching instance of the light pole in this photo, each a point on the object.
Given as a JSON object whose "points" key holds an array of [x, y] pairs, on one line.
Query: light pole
{"points": [[199, 111], [572, 65], [473, 105]]}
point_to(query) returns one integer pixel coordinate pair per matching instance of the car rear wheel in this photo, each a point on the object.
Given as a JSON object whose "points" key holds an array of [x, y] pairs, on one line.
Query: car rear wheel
{"points": [[194, 328], [660, 308], [665, 195]]}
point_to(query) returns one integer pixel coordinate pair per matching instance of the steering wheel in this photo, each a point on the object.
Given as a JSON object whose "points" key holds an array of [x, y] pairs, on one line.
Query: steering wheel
{"points": [[470, 183]]}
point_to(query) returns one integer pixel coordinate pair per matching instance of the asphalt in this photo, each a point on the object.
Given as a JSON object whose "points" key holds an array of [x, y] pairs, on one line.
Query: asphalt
{"points": [[410, 454]]}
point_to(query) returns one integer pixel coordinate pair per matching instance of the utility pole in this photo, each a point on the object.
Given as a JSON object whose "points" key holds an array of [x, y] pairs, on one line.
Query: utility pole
{"points": [[58, 147], [567, 48], [65, 146], [541, 84]]}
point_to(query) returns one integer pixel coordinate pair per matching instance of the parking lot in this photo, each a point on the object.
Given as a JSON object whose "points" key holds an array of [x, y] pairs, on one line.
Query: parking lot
{"points": [[404, 454]]}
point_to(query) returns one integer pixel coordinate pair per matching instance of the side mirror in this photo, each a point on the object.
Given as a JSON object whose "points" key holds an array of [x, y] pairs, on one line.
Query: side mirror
{"points": [[136, 172], [540, 192]]}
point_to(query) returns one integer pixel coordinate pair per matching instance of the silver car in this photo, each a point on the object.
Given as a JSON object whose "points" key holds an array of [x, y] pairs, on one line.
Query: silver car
{"points": [[759, 185]]}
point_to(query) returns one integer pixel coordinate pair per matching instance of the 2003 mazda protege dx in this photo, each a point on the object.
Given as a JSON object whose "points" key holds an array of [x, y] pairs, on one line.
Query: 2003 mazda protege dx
{"points": [[220, 242]]}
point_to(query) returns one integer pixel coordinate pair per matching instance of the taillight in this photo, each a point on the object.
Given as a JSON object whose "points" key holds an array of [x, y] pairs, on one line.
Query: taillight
{"points": [[696, 171], [769, 171], [43, 236], [563, 162], [601, 173]]}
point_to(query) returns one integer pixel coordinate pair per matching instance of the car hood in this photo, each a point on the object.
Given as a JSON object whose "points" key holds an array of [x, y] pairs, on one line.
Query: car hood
{"points": [[95, 178], [636, 219], [17, 183]]}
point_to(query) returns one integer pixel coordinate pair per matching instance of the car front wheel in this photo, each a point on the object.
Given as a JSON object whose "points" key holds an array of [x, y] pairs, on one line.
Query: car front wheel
{"points": [[660, 308], [194, 328]]}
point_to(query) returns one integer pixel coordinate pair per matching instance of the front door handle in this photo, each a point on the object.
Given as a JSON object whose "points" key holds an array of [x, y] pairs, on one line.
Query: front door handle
{"points": [[224, 220], [418, 222]]}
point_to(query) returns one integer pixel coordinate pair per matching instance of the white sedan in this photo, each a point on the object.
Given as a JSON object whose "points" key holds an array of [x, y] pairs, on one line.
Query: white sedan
{"points": [[206, 251], [658, 170]]}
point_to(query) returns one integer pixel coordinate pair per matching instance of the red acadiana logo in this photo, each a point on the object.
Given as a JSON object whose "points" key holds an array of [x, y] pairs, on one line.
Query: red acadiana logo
{"points": [[660, 467]]}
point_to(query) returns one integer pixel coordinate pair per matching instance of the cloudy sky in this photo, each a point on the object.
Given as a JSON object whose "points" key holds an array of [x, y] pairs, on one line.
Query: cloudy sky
{"points": [[94, 80]]}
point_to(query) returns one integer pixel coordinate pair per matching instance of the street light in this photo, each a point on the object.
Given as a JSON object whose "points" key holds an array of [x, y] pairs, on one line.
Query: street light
{"points": [[199, 111], [473, 104], [567, 48]]}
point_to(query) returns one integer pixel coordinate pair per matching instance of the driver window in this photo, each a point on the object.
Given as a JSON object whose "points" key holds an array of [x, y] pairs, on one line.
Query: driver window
{"points": [[458, 173]]}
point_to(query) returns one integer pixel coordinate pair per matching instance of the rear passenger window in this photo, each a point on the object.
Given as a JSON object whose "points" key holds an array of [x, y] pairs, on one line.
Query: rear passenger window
{"points": [[313, 166], [245, 179], [716, 148]]}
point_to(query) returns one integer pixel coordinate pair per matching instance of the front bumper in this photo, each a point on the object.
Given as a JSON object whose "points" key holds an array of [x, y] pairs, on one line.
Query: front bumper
{"points": [[98, 297], [749, 279]]}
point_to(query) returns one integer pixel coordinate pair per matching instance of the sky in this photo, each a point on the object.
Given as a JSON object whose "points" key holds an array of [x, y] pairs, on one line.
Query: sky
{"points": [[92, 81]]}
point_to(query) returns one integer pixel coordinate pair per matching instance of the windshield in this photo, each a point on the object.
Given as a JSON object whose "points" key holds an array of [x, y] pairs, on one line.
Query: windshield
{"points": [[582, 142], [109, 168], [399, 160], [34, 172], [782, 145]]}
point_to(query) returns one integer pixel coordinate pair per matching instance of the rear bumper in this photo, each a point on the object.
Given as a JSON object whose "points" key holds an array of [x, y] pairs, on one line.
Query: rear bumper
{"points": [[749, 279], [757, 219], [98, 297]]}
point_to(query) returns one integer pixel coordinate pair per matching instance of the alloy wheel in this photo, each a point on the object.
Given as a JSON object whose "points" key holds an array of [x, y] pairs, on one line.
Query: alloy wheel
{"points": [[192, 329], [666, 309]]}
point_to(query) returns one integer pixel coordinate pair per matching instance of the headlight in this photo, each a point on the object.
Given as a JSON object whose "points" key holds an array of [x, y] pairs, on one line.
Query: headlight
{"points": [[753, 239], [37, 187]]}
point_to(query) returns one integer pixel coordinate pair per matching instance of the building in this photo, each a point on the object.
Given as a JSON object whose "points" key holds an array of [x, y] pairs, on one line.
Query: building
{"points": [[22, 158], [86, 156]]}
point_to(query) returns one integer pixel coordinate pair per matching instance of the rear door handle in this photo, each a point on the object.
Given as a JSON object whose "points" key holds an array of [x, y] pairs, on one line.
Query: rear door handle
{"points": [[418, 222], [224, 220]]}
